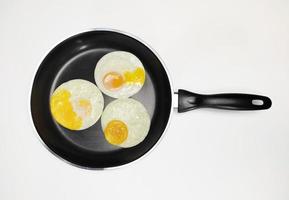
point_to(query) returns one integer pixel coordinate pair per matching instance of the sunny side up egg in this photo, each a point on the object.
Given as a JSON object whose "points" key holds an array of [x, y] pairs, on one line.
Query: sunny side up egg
{"points": [[125, 122], [119, 74], [76, 104]]}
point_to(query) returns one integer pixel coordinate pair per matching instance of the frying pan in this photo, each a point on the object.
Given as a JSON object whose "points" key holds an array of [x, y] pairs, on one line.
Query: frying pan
{"points": [[76, 58]]}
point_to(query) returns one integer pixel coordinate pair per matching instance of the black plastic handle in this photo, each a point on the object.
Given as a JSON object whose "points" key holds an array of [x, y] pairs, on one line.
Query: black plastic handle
{"points": [[234, 101]]}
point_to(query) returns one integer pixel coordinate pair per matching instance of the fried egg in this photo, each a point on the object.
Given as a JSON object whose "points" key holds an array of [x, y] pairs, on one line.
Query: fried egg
{"points": [[125, 122], [119, 74], [76, 104]]}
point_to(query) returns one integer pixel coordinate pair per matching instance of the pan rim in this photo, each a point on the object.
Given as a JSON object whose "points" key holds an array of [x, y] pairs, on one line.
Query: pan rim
{"points": [[113, 167]]}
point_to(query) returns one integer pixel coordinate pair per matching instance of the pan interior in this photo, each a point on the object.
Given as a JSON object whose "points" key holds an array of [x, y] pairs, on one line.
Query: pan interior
{"points": [[76, 58], [82, 66]]}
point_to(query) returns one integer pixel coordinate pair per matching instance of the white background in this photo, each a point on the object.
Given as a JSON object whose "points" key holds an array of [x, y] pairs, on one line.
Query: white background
{"points": [[208, 46]]}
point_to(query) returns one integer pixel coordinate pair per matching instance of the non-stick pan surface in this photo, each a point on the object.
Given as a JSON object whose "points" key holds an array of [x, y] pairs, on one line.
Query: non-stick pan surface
{"points": [[76, 58]]}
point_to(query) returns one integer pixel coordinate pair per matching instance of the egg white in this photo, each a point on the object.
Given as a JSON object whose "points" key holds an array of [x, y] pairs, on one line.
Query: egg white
{"points": [[82, 89], [133, 114], [120, 62]]}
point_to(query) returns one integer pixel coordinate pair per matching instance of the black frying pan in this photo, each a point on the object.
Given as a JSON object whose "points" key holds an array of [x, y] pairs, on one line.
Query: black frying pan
{"points": [[76, 58]]}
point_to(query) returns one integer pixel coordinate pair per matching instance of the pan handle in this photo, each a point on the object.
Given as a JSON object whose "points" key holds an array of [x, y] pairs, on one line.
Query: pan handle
{"points": [[232, 101]]}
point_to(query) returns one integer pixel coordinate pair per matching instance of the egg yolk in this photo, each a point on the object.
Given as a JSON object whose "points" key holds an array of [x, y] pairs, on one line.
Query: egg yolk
{"points": [[113, 80], [85, 107], [135, 77], [62, 110], [116, 132]]}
